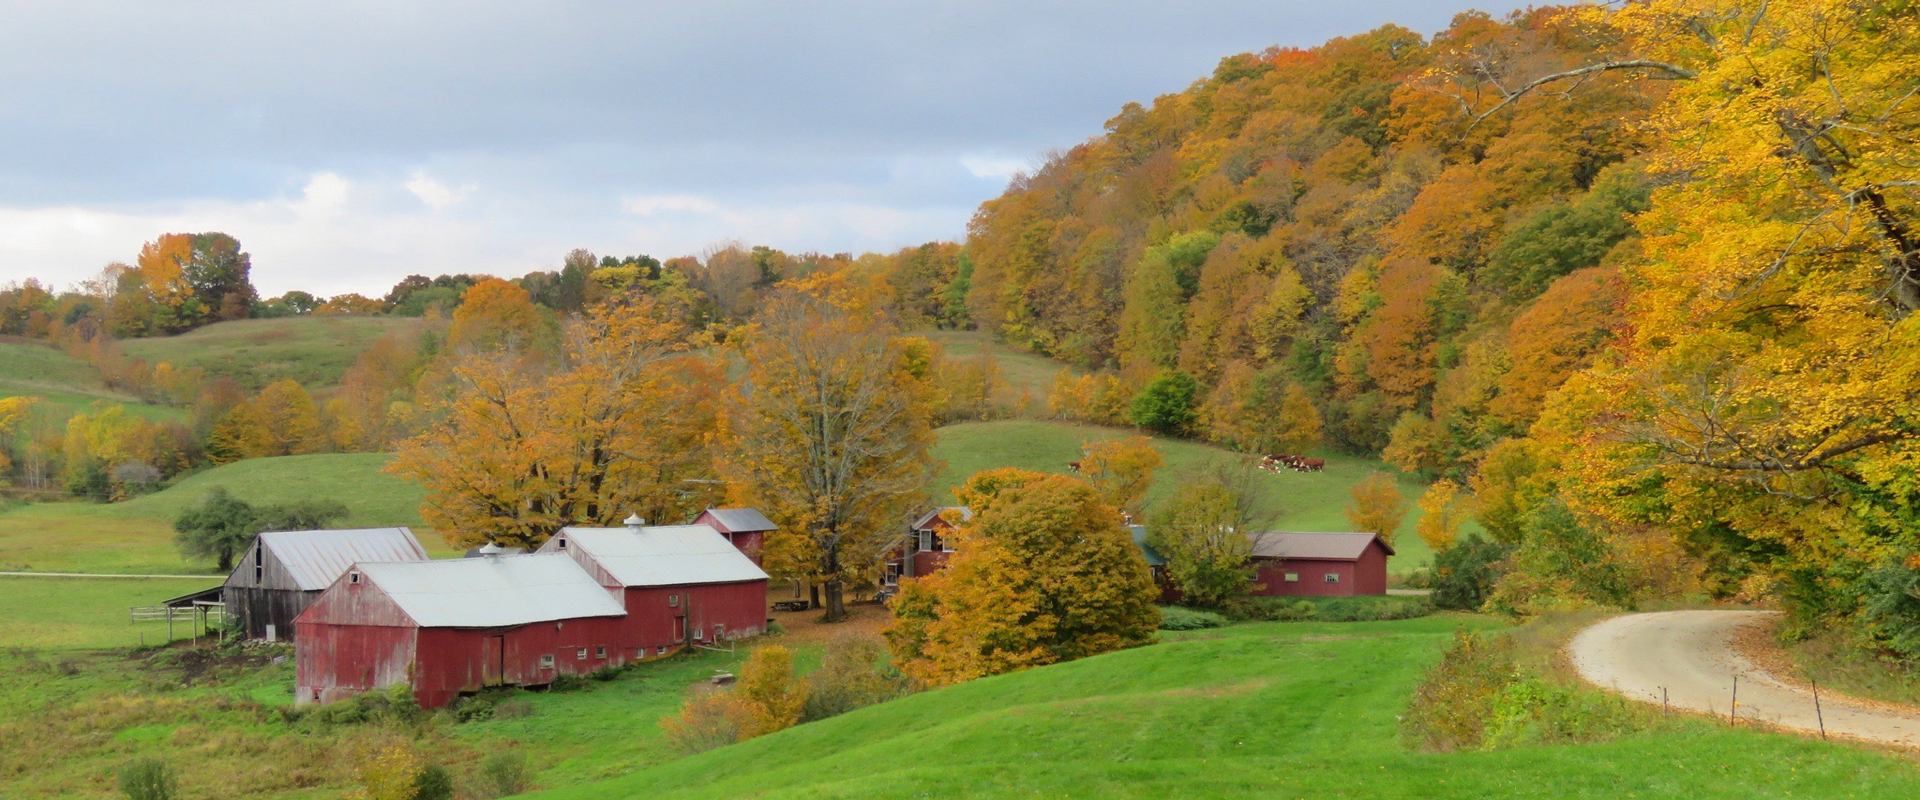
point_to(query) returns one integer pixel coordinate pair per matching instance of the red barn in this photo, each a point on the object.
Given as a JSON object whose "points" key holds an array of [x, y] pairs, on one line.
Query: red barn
{"points": [[746, 528], [1320, 564], [680, 584], [446, 627], [927, 547]]}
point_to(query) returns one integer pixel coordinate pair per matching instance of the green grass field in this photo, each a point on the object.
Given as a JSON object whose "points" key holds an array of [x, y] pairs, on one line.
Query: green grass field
{"points": [[1253, 711], [315, 351], [65, 386], [136, 536], [1313, 501], [87, 613]]}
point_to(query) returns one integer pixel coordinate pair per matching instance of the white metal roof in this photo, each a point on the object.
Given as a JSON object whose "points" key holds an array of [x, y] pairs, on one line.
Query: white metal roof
{"points": [[664, 555], [315, 559], [737, 520], [491, 592], [966, 514], [1343, 546]]}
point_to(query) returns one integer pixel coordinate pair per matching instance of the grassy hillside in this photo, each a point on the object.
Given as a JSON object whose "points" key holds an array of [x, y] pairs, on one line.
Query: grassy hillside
{"points": [[315, 351], [1023, 371], [1304, 501], [86, 613], [65, 385], [1255, 711], [137, 536]]}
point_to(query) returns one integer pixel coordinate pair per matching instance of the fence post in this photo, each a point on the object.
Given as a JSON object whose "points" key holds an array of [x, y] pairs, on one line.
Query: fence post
{"points": [[1733, 711], [1819, 715], [1665, 709]]}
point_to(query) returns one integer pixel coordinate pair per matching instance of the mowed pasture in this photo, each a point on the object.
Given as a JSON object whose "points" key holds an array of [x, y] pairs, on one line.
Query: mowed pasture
{"points": [[88, 613], [316, 351], [1251, 711], [1295, 501]]}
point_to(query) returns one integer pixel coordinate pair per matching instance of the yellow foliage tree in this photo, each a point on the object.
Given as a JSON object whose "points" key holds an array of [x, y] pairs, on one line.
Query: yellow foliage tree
{"points": [[1439, 521], [772, 693], [1377, 506], [1122, 470]]}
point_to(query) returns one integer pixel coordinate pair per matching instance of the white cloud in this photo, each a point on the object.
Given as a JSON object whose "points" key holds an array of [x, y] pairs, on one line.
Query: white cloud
{"points": [[437, 195], [984, 166], [650, 205]]}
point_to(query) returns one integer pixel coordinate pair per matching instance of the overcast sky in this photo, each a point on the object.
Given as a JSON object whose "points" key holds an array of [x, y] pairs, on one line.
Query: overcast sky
{"points": [[347, 144]]}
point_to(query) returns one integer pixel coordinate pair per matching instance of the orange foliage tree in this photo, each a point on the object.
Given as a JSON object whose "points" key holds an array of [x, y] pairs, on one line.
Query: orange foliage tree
{"points": [[1045, 572]]}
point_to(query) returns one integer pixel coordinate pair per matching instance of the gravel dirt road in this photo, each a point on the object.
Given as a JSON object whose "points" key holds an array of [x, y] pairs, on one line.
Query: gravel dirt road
{"points": [[1692, 655]]}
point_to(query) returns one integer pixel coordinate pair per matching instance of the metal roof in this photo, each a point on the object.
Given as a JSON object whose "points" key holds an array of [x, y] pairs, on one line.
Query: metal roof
{"points": [[1342, 546], [475, 552], [1146, 550], [315, 559], [664, 555], [737, 520], [966, 514], [491, 592]]}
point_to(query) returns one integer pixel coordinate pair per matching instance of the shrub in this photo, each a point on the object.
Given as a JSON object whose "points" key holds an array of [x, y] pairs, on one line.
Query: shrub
{"points": [[1179, 618], [473, 708], [1892, 608], [1463, 575], [1370, 609], [504, 775], [854, 673], [1167, 404], [390, 771], [1453, 702], [708, 721], [148, 779], [433, 782], [771, 691]]}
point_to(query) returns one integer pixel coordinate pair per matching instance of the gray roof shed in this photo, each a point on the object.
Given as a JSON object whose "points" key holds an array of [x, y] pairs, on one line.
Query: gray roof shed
{"points": [[741, 520]]}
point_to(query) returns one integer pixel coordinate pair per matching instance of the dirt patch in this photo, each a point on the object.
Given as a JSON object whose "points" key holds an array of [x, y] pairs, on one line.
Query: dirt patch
{"points": [[807, 627], [200, 663]]}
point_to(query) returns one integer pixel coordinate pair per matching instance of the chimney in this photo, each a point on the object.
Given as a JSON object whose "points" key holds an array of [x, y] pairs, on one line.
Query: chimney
{"points": [[635, 522]]}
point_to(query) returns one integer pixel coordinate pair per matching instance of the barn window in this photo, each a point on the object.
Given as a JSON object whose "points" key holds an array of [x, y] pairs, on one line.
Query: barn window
{"points": [[660, 651], [1293, 577], [718, 630], [259, 574], [673, 601], [699, 634], [600, 652], [562, 543], [1333, 577], [353, 577], [581, 655], [546, 661]]}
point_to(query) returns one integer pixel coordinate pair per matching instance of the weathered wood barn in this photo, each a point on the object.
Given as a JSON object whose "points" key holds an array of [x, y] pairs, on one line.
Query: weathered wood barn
{"points": [[1320, 564], [927, 547], [746, 528], [681, 585], [446, 627], [283, 572]]}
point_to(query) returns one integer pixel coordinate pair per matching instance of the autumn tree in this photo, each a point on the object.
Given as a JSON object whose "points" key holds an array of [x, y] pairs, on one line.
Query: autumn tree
{"points": [[1206, 533], [828, 434], [281, 420], [1168, 405], [495, 314], [1439, 515], [1122, 470], [220, 527], [1045, 572], [1377, 506], [619, 426]]}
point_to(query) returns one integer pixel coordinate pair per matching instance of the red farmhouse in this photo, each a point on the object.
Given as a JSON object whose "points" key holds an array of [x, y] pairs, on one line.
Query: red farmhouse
{"points": [[1320, 564], [746, 528], [927, 547], [680, 584], [446, 627]]}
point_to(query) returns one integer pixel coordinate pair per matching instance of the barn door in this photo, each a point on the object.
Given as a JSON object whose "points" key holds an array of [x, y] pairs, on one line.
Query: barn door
{"points": [[493, 660]]}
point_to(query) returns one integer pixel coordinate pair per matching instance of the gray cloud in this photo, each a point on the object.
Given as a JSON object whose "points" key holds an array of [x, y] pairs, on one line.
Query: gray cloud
{"points": [[859, 125]]}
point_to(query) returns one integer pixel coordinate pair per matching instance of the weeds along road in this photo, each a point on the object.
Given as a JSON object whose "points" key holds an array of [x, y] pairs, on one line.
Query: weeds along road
{"points": [[1692, 655]]}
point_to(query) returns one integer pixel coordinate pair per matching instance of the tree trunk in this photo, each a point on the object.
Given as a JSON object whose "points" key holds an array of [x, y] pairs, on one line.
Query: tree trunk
{"points": [[836, 607]]}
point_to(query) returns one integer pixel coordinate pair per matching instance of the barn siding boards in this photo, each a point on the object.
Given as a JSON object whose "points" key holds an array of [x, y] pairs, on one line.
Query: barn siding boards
{"points": [[282, 572]]}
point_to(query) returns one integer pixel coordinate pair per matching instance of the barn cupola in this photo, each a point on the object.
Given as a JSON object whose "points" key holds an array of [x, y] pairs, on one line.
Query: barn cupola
{"points": [[635, 523], [491, 550]]}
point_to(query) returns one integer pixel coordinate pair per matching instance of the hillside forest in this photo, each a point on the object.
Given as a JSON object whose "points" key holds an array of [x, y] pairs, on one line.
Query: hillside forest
{"points": [[1632, 285]]}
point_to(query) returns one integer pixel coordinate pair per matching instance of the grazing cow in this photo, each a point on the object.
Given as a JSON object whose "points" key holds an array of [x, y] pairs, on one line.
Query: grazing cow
{"points": [[1073, 466]]}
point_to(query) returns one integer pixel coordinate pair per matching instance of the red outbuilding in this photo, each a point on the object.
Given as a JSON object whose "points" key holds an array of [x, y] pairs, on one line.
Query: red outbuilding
{"points": [[1320, 564], [927, 547], [746, 528], [681, 585], [452, 626]]}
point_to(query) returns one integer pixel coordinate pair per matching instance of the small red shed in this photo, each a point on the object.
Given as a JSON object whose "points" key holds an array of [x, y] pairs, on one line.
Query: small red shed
{"points": [[927, 547], [681, 585], [452, 626], [1289, 564], [746, 528]]}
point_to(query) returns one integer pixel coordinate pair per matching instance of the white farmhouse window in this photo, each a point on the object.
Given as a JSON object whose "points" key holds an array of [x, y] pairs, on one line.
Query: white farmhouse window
{"points": [[581, 655], [926, 541], [546, 661], [1293, 577]]}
